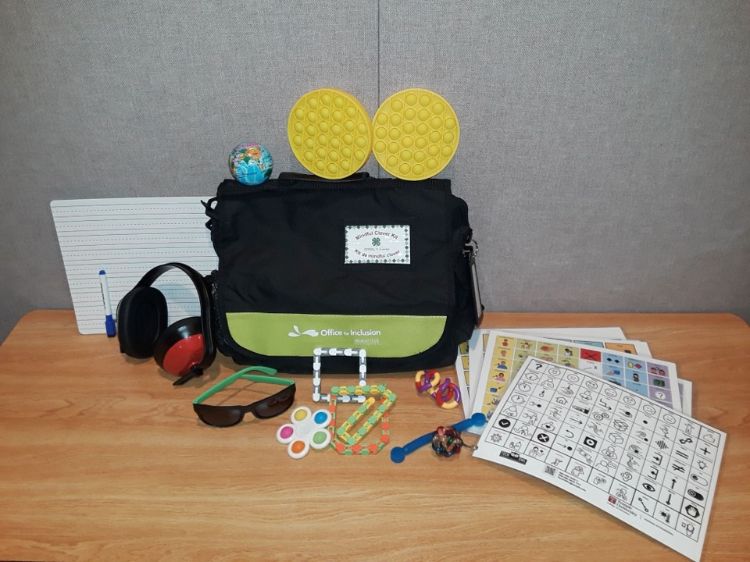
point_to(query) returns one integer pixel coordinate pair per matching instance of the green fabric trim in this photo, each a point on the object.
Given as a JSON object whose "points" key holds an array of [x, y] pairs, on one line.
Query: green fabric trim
{"points": [[278, 334]]}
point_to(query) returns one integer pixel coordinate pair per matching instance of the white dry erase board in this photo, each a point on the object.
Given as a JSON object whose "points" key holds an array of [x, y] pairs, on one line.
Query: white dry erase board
{"points": [[126, 238]]}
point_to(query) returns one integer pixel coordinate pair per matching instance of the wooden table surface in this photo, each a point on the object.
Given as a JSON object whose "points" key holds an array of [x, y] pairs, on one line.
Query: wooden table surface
{"points": [[101, 458]]}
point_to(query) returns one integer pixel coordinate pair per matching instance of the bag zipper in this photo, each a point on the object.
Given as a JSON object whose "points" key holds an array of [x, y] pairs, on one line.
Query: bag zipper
{"points": [[471, 249], [363, 184]]}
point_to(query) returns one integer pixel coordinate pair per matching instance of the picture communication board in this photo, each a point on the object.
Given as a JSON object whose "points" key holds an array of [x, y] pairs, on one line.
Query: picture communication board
{"points": [[623, 452]]}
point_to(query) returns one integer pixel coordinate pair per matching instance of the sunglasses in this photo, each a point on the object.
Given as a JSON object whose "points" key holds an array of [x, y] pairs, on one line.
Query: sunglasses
{"points": [[226, 416]]}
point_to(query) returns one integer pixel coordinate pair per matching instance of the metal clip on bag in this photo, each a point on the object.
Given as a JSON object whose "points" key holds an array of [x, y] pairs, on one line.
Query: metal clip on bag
{"points": [[380, 264]]}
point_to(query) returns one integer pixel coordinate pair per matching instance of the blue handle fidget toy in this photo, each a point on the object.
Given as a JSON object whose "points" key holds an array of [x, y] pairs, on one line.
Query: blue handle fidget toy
{"points": [[398, 454]]}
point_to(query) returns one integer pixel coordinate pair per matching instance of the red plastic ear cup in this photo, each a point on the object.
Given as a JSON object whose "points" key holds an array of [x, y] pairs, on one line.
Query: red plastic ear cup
{"points": [[141, 320], [184, 355], [181, 346]]}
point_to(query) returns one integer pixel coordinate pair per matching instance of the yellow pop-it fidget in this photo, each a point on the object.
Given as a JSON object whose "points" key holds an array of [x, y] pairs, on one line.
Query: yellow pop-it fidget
{"points": [[415, 134], [330, 133]]}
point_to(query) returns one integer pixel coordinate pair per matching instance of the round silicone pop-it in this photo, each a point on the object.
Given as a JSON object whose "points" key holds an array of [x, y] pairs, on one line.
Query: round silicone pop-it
{"points": [[330, 133], [415, 134]]}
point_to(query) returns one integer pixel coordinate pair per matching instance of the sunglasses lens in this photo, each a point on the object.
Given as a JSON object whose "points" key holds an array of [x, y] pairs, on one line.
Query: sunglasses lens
{"points": [[276, 404], [218, 416]]}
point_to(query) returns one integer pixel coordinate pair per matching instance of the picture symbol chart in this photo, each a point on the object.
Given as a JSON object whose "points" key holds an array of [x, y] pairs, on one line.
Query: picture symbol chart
{"points": [[506, 352], [646, 464]]}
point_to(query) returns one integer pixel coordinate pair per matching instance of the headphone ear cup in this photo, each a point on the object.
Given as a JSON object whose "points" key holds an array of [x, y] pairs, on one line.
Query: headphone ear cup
{"points": [[181, 346], [141, 319]]}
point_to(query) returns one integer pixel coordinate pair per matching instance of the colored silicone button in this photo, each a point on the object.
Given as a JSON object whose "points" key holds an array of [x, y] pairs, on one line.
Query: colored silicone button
{"points": [[415, 134], [307, 430], [330, 133]]}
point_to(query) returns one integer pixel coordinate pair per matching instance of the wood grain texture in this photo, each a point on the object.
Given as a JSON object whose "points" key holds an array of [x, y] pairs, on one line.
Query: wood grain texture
{"points": [[102, 459]]}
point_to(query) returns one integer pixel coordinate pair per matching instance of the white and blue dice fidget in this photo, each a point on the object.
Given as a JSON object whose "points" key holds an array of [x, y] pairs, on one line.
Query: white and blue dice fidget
{"points": [[307, 430]]}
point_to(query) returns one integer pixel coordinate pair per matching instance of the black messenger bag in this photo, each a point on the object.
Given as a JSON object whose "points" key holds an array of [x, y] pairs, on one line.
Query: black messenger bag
{"points": [[383, 265]]}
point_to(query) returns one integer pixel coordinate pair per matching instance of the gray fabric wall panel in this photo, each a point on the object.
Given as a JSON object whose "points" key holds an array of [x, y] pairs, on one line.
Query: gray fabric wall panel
{"points": [[119, 99], [604, 146]]}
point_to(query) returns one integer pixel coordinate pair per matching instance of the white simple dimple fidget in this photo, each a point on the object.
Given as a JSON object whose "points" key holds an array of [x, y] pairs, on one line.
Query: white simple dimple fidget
{"points": [[307, 430]]}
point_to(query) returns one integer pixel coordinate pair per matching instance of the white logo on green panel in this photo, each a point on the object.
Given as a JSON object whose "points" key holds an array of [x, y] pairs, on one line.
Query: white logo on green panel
{"points": [[382, 335], [333, 332], [295, 333]]}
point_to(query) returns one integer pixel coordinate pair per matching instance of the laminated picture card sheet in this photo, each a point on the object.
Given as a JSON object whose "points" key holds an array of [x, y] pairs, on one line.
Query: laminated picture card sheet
{"points": [[506, 351], [471, 353], [625, 453]]}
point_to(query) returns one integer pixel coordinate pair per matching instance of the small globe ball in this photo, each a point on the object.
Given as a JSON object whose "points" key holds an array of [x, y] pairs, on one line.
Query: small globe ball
{"points": [[250, 163]]}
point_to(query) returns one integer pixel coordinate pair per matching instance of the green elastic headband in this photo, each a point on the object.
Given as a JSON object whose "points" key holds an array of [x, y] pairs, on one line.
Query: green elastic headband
{"points": [[245, 374]]}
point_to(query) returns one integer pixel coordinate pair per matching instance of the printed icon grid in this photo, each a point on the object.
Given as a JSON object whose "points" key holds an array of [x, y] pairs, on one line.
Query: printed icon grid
{"points": [[650, 457], [642, 377]]}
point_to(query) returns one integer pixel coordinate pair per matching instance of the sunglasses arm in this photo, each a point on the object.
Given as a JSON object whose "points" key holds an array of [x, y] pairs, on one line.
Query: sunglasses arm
{"points": [[244, 374]]}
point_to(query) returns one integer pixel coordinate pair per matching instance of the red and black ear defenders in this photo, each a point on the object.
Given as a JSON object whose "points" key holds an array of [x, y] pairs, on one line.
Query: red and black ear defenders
{"points": [[183, 349]]}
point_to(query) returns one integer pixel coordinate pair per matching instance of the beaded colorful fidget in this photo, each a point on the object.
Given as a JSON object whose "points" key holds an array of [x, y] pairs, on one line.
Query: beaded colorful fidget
{"points": [[346, 442]]}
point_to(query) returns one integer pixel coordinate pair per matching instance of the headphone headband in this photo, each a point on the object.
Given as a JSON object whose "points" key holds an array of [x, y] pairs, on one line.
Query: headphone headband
{"points": [[204, 297]]}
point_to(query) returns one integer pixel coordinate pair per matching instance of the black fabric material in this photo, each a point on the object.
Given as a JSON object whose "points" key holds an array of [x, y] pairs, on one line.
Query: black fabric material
{"points": [[280, 250]]}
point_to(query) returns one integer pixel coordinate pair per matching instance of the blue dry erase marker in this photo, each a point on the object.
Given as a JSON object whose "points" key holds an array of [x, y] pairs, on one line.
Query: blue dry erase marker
{"points": [[109, 322]]}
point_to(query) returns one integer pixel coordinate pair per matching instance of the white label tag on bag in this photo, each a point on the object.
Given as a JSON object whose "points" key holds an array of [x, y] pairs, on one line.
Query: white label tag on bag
{"points": [[388, 244]]}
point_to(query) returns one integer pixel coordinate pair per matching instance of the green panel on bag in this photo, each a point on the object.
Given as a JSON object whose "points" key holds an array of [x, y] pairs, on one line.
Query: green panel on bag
{"points": [[276, 334]]}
